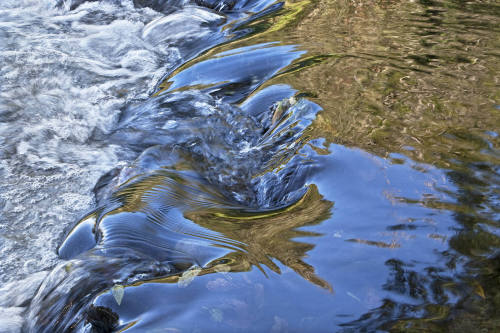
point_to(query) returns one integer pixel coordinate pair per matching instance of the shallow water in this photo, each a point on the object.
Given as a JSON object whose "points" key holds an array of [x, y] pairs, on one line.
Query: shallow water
{"points": [[249, 166]]}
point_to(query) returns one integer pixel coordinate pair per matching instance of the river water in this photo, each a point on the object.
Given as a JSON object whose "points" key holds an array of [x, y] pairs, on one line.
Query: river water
{"points": [[249, 166]]}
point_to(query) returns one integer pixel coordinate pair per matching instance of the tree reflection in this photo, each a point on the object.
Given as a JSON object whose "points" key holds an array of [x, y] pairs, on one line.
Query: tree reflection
{"points": [[272, 235], [463, 295]]}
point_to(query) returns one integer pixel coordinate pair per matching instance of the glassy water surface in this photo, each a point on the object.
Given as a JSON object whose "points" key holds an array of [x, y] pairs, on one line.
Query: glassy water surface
{"points": [[249, 166]]}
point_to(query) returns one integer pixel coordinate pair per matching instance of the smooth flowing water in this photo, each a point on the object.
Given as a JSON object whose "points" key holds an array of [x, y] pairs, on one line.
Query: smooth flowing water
{"points": [[249, 166]]}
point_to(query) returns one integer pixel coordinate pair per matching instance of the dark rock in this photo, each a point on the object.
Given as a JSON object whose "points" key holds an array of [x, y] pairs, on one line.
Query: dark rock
{"points": [[102, 319]]}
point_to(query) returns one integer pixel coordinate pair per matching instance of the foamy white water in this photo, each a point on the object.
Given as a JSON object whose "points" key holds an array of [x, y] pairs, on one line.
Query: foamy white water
{"points": [[65, 76]]}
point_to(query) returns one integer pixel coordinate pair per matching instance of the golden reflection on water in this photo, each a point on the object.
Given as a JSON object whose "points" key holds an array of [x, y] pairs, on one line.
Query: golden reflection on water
{"points": [[262, 237], [271, 237], [417, 77]]}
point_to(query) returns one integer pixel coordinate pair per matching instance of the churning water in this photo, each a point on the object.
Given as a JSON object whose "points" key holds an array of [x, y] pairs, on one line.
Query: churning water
{"points": [[249, 165]]}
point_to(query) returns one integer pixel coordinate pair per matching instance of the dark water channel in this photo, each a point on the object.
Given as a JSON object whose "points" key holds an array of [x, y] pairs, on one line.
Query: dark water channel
{"points": [[249, 166]]}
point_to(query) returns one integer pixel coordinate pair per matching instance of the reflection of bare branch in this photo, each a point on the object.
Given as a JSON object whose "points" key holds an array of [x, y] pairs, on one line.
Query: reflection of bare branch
{"points": [[270, 235], [391, 245]]}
